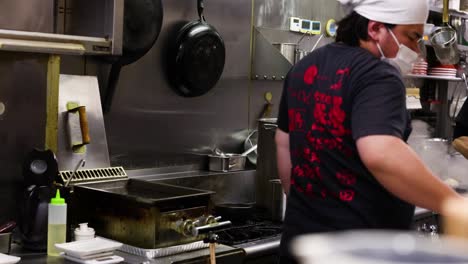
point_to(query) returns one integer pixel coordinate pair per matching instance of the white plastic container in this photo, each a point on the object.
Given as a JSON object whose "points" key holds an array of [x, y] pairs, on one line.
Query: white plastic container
{"points": [[56, 231], [84, 232]]}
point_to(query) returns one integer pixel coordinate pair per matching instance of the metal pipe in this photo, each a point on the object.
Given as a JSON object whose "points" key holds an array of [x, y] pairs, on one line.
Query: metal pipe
{"points": [[81, 163]]}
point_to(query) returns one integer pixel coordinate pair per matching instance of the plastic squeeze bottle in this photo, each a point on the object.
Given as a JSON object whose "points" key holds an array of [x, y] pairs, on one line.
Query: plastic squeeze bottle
{"points": [[56, 231]]}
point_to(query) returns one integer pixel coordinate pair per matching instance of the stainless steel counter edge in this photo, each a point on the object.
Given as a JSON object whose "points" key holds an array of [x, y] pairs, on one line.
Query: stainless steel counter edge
{"points": [[261, 247]]}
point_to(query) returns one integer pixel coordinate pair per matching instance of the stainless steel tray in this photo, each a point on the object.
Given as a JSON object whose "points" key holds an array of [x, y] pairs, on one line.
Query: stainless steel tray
{"points": [[163, 252]]}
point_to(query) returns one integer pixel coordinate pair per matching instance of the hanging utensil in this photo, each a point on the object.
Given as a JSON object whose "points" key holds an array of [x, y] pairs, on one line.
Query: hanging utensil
{"points": [[142, 25], [197, 60], [444, 40]]}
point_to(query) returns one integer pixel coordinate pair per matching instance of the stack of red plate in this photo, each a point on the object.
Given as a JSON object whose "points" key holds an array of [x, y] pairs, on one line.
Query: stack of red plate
{"points": [[443, 71], [420, 68]]}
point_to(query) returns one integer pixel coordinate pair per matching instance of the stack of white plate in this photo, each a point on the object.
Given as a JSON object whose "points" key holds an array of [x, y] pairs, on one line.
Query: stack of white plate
{"points": [[7, 259], [420, 68], [91, 251], [443, 72]]}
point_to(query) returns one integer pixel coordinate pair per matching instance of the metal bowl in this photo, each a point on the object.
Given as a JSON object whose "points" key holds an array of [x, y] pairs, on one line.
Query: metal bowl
{"points": [[226, 162]]}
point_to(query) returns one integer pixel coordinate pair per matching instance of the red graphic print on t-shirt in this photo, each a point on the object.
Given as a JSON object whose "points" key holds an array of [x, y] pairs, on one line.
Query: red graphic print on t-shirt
{"points": [[326, 132], [341, 73], [296, 120], [346, 178], [310, 74]]}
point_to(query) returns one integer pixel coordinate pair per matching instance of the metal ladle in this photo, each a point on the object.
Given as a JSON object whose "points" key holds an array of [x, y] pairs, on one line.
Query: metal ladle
{"points": [[444, 40], [81, 163]]}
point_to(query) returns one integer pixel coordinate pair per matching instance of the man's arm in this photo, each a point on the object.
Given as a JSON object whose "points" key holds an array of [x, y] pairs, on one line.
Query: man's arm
{"points": [[283, 159], [397, 167]]}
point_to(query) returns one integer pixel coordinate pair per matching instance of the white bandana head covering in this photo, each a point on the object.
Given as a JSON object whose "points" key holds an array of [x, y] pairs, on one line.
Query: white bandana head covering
{"points": [[397, 12]]}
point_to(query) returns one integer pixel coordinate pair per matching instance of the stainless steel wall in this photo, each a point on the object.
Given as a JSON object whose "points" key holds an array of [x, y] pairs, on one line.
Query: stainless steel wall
{"points": [[271, 17], [149, 125], [27, 15], [23, 82]]}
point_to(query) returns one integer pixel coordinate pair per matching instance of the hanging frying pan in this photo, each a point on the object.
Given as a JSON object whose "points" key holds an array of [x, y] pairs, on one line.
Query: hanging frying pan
{"points": [[142, 24], [40, 168], [197, 61]]}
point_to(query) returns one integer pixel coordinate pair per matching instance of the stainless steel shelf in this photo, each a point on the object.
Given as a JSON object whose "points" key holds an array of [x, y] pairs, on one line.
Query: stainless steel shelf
{"points": [[460, 47], [452, 12], [431, 77], [36, 42]]}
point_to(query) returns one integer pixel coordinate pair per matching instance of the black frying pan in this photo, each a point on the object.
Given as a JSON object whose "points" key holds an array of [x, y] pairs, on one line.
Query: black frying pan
{"points": [[40, 168], [236, 212], [142, 24], [197, 61]]}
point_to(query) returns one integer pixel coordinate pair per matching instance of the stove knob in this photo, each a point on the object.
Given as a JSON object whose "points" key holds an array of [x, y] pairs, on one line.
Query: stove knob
{"points": [[187, 227], [212, 219], [184, 227]]}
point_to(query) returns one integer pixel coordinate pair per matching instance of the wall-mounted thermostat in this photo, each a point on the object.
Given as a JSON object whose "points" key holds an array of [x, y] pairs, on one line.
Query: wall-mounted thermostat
{"points": [[331, 28], [311, 27], [295, 24]]}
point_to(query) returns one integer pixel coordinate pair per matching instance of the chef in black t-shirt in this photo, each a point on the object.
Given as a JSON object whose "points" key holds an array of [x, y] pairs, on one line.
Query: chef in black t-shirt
{"points": [[343, 123]]}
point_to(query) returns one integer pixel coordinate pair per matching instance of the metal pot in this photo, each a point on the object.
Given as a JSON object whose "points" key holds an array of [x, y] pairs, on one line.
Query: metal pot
{"points": [[226, 162]]}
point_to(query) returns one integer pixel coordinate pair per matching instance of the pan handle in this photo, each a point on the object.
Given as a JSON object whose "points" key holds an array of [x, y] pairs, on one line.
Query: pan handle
{"points": [[445, 12], [111, 87], [200, 8], [199, 230]]}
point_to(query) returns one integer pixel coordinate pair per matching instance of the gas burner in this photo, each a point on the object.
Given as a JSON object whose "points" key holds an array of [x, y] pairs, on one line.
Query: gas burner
{"points": [[248, 232]]}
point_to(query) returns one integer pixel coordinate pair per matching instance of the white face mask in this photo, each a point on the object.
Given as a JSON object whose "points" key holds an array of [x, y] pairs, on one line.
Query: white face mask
{"points": [[404, 59]]}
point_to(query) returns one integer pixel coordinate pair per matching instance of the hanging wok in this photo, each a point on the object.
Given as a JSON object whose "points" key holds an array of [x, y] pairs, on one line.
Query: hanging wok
{"points": [[142, 24], [198, 56]]}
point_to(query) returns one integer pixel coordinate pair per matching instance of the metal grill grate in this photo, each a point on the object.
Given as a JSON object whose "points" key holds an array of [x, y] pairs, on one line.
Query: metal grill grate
{"points": [[94, 175]]}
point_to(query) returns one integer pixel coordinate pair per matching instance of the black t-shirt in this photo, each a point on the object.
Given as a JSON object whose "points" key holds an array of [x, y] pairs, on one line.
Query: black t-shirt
{"points": [[330, 99], [461, 127]]}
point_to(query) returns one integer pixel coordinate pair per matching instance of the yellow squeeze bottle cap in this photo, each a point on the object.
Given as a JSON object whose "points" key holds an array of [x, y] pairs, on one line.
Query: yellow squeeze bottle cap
{"points": [[57, 199]]}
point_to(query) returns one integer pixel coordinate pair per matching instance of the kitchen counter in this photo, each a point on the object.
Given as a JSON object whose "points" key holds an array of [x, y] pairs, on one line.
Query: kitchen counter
{"points": [[225, 254], [230, 254]]}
